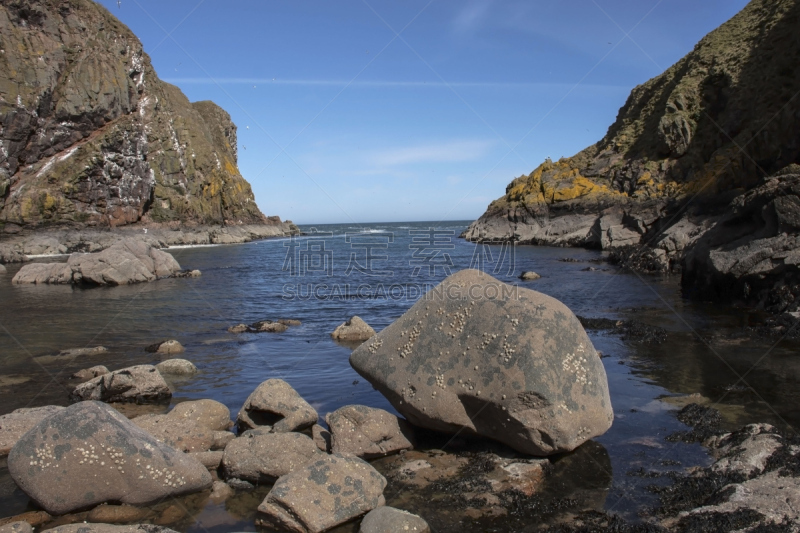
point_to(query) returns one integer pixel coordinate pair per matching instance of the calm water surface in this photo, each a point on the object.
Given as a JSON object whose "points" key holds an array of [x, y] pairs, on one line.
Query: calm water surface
{"points": [[316, 279]]}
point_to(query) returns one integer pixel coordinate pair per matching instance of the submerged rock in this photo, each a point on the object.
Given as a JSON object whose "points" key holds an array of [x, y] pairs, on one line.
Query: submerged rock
{"points": [[354, 329], [89, 453], [277, 405], [82, 352], [129, 261], [89, 373], [322, 495], [390, 520], [367, 432], [483, 357], [108, 528], [16, 423], [261, 457], [177, 367], [529, 276], [267, 326], [139, 384]]}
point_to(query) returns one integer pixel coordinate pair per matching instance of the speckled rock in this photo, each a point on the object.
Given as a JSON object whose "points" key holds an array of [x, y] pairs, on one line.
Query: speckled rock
{"points": [[322, 438], [322, 495], [16, 423], [354, 329], [211, 460], [196, 426], [89, 453], [390, 520], [260, 457], [16, 527], [276, 404], [90, 373], [177, 367], [108, 528], [140, 384], [169, 347], [367, 432], [479, 356]]}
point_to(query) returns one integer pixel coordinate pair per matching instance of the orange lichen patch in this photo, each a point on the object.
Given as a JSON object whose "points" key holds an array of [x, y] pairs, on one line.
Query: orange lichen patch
{"points": [[231, 168]]}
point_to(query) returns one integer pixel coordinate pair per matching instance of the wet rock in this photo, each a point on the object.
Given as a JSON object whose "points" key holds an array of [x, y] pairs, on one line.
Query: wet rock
{"points": [[3, 270], [16, 423], [34, 518], [83, 352], [390, 520], [630, 330], [354, 329], [189, 274], [367, 432], [106, 528], [704, 421], [220, 491], [746, 452], [128, 261], [139, 384], [322, 495], [261, 457], [16, 527], [89, 454], [240, 484], [191, 426], [89, 373], [321, 437], [239, 328], [177, 367], [267, 326], [290, 322], [116, 514], [485, 358], [529, 276], [211, 460], [276, 404], [169, 347]]}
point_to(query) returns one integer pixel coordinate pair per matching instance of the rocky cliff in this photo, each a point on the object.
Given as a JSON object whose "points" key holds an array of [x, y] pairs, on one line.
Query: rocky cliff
{"points": [[685, 143], [90, 136]]}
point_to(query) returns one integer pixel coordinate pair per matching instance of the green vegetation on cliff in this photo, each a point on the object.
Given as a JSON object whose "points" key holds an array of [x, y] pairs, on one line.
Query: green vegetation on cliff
{"points": [[90, 135], [714, 124]]}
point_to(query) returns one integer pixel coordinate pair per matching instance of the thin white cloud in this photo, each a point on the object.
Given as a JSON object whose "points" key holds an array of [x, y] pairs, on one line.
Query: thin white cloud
{"points": [[388, 83], [447, 152]]}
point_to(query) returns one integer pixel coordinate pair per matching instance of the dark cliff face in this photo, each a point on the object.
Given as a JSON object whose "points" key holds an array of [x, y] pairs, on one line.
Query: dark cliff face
{"points": [[90, 135], [711, 127]]}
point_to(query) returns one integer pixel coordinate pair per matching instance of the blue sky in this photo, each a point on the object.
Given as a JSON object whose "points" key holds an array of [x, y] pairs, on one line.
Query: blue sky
{"points": [[388, 110]]}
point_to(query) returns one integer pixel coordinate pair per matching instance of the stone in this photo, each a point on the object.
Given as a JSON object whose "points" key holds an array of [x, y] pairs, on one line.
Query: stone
{"points": [[354, 329], [276, 404], [88, 453], [116, 514], [169, 347], [3, 270], [84, 527], [390, 520], [211, 460], [128, 261], [323, 494], [321, 437], [529, 276], [220, 491], [261, 457], [267, 326], [139, 384], [239, 328], [195, 426], [177, 367], [367, 432], [83, 352], [89, 373], [290, 322], [16, 527], [16, 423], [34, 518], [747, 452], [477, 356]]}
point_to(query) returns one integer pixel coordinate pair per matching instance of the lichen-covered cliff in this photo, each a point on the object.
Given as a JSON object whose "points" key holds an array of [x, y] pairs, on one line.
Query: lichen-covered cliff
{"points": [[708, 129], [90, 136]]}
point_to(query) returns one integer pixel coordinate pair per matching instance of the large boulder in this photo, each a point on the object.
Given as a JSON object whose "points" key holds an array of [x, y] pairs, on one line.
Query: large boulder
{"points": [[16, 423], [89, 453], [390, 520], [276, 404], [126, 262], [140, 384], [478, 356], [260, 457], [322, 495], [354, 329], [191, 427], [367, 432]]}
